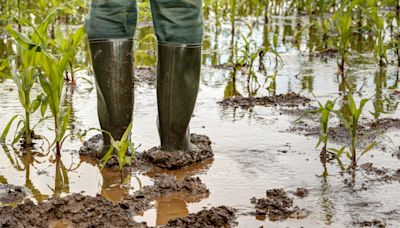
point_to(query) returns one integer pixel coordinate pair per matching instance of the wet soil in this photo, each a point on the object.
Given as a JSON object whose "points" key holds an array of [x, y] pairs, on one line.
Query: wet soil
{"points": [[88, 211], [215, 217], [10, 194], [380, 174], [277, 206], [288, 100], [146, 75], [155, 156], [367, 132], [374, 223], [180, 159]]}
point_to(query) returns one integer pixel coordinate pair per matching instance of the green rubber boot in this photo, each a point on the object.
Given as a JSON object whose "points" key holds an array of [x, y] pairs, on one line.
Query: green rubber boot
{"points": [[112, 61], [178, 78]]}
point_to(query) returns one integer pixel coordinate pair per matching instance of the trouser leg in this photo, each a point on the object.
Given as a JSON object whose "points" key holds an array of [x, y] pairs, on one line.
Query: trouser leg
{"points": [[110, 28], [179, 29]]}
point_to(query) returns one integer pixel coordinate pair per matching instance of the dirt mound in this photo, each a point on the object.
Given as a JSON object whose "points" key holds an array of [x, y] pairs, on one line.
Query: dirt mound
{"points": [[180, 159], [215, 217], [277, 206], [88, 211], [288, 100], [10, 194], [380, 174]]}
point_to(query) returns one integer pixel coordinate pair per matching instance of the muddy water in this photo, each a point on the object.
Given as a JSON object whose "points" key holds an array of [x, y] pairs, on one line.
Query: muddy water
{"points": [[255, 149]]}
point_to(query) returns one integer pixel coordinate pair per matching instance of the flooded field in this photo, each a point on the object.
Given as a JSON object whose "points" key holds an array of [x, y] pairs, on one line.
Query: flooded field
{"points": [[258, 145]]}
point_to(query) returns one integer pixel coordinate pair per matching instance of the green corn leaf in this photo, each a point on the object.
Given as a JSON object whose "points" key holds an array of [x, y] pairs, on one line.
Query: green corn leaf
{"points": [[7, 129], [107, 157]]}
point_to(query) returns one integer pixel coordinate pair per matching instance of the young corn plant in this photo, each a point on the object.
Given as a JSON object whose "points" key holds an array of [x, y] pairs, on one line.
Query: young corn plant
{"points": [[380, 49], [343, 23], [67, 45], [352, 127], [25, 79], [123, 147], [52, 82]]}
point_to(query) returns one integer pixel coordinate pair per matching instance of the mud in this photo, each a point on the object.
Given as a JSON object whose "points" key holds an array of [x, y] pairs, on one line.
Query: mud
{"points": [[376, 223], [146, 76], [11, 194], [180, 159], [288, 100], [367, 132], [155, 156], [301, 192], [277, 206], [215, 217], [88, 211], [380, 174]]}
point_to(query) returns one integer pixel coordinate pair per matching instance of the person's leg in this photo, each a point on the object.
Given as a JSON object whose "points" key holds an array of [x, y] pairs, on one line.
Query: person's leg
{"points": [[110, 28], [179, 29]]}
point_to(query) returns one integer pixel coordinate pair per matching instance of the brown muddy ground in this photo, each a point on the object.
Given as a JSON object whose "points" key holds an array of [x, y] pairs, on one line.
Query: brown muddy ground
{"points": [[155, 156], [146, 76], [180, 159], [10, 194], [87, 211], [288, 100], [215, 217], [278, 206]]}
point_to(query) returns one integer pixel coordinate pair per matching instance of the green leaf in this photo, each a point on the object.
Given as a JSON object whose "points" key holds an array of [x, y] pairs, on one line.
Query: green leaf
{"points": [[7, 129]]}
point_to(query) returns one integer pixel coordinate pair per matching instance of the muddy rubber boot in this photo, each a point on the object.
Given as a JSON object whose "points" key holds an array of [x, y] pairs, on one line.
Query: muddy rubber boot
{"points": [[112, 61], [178, 78]]}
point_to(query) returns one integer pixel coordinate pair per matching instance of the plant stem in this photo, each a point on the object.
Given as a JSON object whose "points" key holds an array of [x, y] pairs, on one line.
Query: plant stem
{"points": [[28, 140]]}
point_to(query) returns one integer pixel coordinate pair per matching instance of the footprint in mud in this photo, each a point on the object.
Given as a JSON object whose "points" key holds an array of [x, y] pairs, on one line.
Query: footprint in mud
{"points": [[278, 206]]}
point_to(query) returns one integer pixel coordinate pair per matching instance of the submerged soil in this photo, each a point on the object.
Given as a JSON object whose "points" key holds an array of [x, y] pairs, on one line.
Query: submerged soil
{"points": [[288, 100], [146, 76], [88, 211], [10, 194], [278, 206]]}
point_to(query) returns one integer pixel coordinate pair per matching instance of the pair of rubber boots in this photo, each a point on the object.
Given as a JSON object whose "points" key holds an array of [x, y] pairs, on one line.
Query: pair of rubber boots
{"points": [[178, 77]]}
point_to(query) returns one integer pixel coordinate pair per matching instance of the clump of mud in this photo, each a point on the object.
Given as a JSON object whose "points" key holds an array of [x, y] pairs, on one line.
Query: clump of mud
{"points": [[380, 174], [180, 159], [301, 192], [288, 100], [10, 194], [82, 211], [277, 206], [215, 217], [88, 211], [374, 223], [146, 75]]}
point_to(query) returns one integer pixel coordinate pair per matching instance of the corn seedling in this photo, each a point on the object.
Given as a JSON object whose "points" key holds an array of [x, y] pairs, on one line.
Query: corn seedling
{"points": [[122, 147], [378, 29], [352, 127], [67, 45], [343, 23], [25, 79]]}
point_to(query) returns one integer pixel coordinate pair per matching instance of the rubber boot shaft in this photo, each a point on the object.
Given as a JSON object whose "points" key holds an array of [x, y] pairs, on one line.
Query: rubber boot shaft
{"points": [[113, 68], [178, 77]]}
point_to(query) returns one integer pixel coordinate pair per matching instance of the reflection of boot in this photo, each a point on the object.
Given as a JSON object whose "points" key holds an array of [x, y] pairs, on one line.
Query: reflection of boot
{"points": [[178, 77], [113, 68]]}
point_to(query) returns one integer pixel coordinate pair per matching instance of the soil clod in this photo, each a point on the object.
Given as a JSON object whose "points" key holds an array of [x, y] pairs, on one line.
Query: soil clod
{"points": [[88, 211], [278, 206], [289, 100], [10, 194], [215, 217], [180, 159]]}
